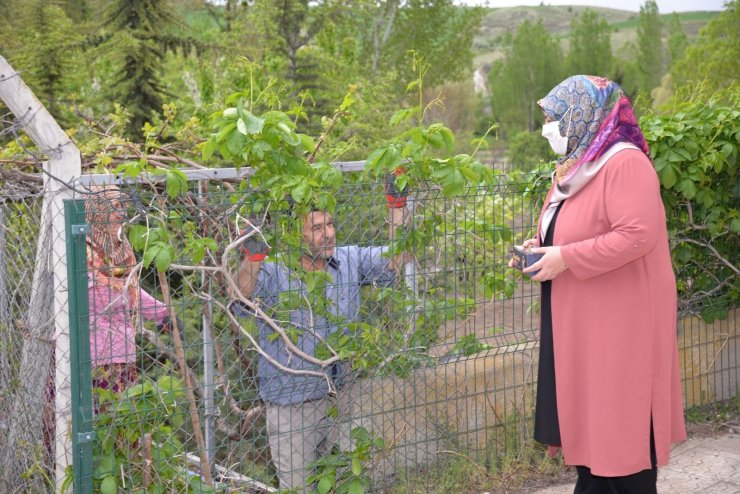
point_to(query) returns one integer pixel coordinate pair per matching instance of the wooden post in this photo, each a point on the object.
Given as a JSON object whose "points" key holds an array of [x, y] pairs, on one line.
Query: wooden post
{"points": [[64, 165]]}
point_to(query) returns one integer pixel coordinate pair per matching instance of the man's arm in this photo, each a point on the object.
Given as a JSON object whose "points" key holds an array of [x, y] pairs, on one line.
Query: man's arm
{"points": [[398, 215], [254, 249]]}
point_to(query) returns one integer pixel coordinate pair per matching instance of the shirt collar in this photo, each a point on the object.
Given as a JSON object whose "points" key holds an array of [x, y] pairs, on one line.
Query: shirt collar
{"points": [[333, 262]]}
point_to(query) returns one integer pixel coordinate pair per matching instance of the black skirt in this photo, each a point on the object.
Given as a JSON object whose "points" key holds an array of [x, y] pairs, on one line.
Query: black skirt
{"points": [[546, 426]]}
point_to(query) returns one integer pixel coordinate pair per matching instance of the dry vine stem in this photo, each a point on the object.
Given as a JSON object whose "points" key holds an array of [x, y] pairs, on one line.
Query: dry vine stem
{"points": [[180, 352]]}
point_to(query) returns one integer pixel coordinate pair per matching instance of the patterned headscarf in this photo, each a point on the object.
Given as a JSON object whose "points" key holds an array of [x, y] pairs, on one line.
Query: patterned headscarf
{"points": [[102, 201], [601, 116], [110, 256]]}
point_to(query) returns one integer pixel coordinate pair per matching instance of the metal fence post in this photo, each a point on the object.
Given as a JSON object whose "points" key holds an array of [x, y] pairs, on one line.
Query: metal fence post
{"points": [[82, 430]]}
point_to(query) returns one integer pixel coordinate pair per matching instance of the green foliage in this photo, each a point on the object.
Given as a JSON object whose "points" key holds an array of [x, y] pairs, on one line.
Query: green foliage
{"points": [[678, 41], [438, 31], [346, 472], [590, 45], [468, 345], [650, 46], [46, 55], [417, 150], [146, 412], [526, 149], [694, 148], [137, 39], [533, 64], [712, 58]]}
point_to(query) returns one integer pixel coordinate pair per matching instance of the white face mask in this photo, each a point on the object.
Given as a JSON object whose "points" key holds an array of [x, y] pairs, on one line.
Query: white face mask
{"points": [[551, 131]]}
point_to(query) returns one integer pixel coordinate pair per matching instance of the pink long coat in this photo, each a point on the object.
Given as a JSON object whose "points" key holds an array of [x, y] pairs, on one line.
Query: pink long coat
{"points": [[614, 322]]}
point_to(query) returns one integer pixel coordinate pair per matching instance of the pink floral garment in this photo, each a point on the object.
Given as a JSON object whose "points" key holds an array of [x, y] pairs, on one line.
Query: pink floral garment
{"points": [[112, 334]]}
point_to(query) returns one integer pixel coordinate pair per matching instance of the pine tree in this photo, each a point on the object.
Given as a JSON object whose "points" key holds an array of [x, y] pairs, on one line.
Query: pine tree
{"points": [[136, 32], [45, 54]]}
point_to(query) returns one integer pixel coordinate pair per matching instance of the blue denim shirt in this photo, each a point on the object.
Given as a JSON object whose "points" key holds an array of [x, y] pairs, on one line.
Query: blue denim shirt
{"points": [[350, 268]]}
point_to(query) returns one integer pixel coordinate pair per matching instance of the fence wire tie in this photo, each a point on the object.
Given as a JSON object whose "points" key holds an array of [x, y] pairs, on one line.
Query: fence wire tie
{"points": [[4, 78]]}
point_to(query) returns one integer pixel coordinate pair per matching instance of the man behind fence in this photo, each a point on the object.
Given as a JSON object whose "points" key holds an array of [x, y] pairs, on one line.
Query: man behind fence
{"points": [[297, 405]]}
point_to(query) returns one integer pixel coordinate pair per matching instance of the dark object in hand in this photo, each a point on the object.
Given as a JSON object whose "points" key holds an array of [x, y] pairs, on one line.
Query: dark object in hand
{"points": [[525, 258], [255, 248], [394, 197], [166, 327]]}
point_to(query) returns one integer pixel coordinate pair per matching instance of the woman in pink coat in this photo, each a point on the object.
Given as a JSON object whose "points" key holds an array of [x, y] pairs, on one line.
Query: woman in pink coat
{"points": [[609, 390], [116, 300]]}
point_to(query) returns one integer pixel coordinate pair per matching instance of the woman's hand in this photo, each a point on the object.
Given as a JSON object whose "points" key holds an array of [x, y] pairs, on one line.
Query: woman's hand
{"points": [[532, 242], [550, 266]]}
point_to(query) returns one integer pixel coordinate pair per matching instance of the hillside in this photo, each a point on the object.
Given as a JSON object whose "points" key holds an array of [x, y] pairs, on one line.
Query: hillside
{"points": [[557, 19]]}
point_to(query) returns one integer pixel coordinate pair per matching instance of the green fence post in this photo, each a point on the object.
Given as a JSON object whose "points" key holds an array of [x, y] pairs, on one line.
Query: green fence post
{"points": [[79, 335]]}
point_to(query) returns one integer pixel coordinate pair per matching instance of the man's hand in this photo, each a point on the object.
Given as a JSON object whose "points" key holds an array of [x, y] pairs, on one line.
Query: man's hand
{"points": [[254, 246], [255, 249], [395, 198]]}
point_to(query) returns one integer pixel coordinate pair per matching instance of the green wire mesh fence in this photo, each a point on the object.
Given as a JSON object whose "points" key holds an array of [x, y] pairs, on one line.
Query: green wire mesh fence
{"points": [[436, 361]]}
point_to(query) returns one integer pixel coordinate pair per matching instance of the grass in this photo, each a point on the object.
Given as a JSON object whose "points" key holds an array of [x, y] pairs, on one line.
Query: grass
{"points": [[522, 471], [512, 462], [685, 17], [720, 412], [517, 466]]}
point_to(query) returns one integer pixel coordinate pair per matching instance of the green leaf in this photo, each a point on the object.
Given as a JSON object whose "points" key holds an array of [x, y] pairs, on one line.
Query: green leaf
{"points": [[356, 466], [355, 487], [235, 143], [109, 485], [225, 131], [260, 149], [176, 183], [250, 124], [403, 115], [300, 192], [453, 183], [150, 253], [307, 142], [325, 485], [209, 147], [668, 177], [687, 187], [164, 259]]}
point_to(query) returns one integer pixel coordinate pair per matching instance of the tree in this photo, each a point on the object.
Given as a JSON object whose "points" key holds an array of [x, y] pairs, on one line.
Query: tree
{"points": [[440, 32], [710, 58], [677, 39], [590, 45], [532, 65], [293, 24], [649, 46], [136, 34], [43, 50]]}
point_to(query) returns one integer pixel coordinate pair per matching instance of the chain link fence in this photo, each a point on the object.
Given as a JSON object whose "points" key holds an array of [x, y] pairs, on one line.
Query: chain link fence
{"points": [[29, 403], [439, 361]]}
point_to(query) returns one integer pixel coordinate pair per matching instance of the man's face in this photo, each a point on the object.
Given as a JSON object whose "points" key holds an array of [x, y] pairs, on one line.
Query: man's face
{"points": [[318, 234]]}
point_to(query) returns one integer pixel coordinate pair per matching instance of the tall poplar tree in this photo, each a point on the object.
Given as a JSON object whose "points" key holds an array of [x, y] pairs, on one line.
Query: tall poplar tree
{"points": [[649, 47], [712, 58], [678, 41], [533, 63], [590, 49]]}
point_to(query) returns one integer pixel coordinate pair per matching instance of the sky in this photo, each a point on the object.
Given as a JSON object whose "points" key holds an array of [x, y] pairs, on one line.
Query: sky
{"points": [[664, 6]]}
